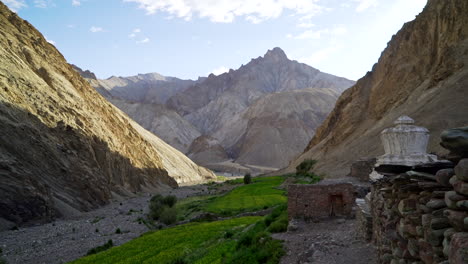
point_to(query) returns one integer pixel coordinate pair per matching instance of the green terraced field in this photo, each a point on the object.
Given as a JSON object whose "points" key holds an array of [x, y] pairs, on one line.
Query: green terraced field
{"points": [[203, 242], [258, 195]]}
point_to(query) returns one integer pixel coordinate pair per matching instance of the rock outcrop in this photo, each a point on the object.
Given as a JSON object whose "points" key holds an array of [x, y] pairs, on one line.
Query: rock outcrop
{"points": [[64, 148], [158, 119], [423, 72], [275, 128], [205, 150]]}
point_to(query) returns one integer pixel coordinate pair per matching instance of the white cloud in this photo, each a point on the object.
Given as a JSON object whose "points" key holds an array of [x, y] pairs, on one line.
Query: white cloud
{"points": [[339, 31], [219, 70], [143, 41], [132, 35], [50, 41], [15, 5], [136, 30], [305, 25], [318, 34], [225, 11], [96, 29], [76, 3], [71, 26], [312, 34], [43, 3], [362, 5]]}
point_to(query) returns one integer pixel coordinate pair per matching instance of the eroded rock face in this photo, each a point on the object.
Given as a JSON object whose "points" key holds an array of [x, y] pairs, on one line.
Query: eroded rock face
{"points": [[63, 148], [206, 150], [423, 73]]}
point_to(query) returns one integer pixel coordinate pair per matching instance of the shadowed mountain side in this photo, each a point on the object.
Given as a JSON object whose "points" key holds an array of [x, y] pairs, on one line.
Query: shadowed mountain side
{"points": [[161, 121], [48, 172], [422, 73], [46, 105], [205, 150]]}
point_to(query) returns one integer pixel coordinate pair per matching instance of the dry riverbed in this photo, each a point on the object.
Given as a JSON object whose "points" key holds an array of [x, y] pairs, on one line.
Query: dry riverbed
{"points": [[68, 239]]}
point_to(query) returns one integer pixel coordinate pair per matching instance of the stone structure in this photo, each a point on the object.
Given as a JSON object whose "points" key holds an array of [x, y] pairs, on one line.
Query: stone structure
{"points": [[420, 212], [319, 201], [361, 169], [404, 145]]}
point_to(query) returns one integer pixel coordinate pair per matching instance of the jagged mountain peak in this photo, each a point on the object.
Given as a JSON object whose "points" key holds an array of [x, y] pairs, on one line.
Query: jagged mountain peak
{"points": [[276, 54]]}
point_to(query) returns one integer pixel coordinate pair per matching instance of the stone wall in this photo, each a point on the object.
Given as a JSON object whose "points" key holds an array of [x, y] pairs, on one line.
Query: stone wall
{"points": [[320, 201], [361, 169], [421, 215]]}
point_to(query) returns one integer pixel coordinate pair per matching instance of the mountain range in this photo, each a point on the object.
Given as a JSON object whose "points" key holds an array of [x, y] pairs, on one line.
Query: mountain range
{"points": [[255, 118]]}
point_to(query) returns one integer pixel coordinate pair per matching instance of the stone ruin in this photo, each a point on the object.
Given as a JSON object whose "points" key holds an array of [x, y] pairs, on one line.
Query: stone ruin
{"points": [[322, 200], [417, 211]]}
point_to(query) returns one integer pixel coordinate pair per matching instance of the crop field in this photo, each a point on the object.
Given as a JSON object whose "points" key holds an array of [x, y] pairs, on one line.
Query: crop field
{"points": [[261, 193], [202, 242]]}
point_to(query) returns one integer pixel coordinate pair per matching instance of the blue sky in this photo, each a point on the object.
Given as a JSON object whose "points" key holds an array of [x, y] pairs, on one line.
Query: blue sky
{"points": [[191, 38]]}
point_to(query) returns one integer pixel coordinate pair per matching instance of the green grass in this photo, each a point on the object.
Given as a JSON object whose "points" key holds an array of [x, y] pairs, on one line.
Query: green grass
{"points": [[261, 193], [189, 207], [198, 242]]}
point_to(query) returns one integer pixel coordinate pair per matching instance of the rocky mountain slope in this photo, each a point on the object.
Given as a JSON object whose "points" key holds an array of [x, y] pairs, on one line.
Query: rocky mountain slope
{"points": [[422, 73], [145, 88], [63, 148], [212, 103], [275, 128], [254, 115], [160, 120]]}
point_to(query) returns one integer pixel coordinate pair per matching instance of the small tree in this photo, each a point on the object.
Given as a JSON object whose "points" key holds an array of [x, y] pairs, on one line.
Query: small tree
{"points": [[305, 167], [247, 178]]}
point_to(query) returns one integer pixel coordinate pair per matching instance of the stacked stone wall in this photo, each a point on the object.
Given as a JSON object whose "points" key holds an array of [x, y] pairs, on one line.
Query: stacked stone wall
{"points": [[421, 215]]}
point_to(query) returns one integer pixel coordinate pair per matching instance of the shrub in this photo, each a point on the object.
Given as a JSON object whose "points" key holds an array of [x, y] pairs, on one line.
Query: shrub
{"points": [[98, 249], [170, 200], [158, 204], [247, 178], [118, 231], [169, 215], [305, 167]]}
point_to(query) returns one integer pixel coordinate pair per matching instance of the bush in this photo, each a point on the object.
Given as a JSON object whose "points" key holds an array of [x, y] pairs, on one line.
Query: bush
{"points": [[170, 200], [305, 166], [247, 178], [159, 204], [169, 215], [98, 249], [118, 231]]}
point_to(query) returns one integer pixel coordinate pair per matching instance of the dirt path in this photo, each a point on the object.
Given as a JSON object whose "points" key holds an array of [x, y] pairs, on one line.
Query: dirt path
{"points": [[68, 239], [329, 242]]}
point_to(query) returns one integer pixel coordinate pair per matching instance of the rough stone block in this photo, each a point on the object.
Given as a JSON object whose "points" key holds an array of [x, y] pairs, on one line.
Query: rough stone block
{"points": [[458, 253], [461, 170], [443, 176], [457, 219], [463, 205], [451, 199], [440, 223], [425, 251], [461, 187], [436, 237], [436, 204]]}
